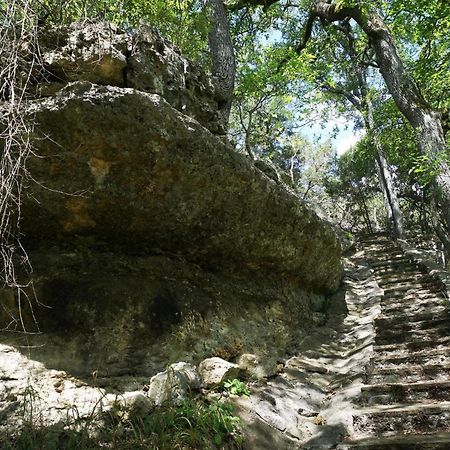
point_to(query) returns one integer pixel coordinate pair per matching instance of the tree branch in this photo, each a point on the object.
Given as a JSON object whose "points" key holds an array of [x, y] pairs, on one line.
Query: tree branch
{"points": [[339, 90], [266, 4]]}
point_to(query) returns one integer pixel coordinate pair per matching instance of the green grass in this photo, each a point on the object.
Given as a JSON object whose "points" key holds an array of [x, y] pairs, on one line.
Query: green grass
{"points": [[196, 423]]}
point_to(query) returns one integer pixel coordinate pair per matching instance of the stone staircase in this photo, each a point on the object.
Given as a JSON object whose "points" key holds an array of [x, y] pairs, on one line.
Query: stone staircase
{"points": [[405, 401]]}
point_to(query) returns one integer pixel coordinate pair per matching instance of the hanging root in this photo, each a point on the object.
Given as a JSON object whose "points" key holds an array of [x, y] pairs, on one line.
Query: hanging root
{"points": [[19, 61]]}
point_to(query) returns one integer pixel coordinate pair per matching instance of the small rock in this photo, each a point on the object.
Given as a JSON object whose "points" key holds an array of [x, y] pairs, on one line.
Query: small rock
{"points": [[319, 420], [59, 386], [134, 405], [307, 413], [216, 370], [174, 383]]}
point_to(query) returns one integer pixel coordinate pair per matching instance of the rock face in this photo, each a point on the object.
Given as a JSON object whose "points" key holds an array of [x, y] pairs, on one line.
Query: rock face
{"points": [[152, 240], [144, 60], [149, 178]]}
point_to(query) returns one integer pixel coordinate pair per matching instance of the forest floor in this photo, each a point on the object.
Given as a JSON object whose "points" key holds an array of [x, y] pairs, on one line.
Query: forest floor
{"points": [[377, 377]]}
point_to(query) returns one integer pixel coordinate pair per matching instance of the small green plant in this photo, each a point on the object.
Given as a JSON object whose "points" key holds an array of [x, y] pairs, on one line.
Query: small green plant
{"points": [[236, 387], [195, 423]]}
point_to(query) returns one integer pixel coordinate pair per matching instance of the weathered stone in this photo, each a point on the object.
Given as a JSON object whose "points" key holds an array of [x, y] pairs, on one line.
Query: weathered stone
{"points": [[31, 393], [131, 406], [150, 179], [94, 52], [102, 53], [121, 314], [174, 383], [215, 371], [256, 367], [157, 67]]}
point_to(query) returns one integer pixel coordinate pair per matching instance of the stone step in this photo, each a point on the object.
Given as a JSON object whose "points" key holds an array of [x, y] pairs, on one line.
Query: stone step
{"points": [[374, 257], [367, 238], [390, 326], [413, 277], [432, 286], [410, 298], [429, 441], [399, 336], [419, 316], [436, 303], [410, 357], [394, 262], [412, 346], [403, 418], [386, 272], [426, 361], [380, 264], [383, 249], [388, 393], [409, 374]]}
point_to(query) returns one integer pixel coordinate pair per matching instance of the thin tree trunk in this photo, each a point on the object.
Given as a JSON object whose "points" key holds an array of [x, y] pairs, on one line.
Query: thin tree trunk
{"points": [[387, 206], [443, 237], [365, 211], [222, 55], [385, 177], [248, 134]]}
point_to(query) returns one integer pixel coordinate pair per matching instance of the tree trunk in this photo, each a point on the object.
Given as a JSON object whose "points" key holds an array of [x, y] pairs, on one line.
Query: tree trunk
{"points": [[443, 237], [389, 194], [409, 100], [365, 210], [385, 177], [222, 55], [387, 205], [248, 134]]}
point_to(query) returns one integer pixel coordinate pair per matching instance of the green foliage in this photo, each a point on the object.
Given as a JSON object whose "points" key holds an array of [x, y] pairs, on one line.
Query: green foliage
{"points": [[236, 387], [423, 27], [195, 423], [184, 22]]}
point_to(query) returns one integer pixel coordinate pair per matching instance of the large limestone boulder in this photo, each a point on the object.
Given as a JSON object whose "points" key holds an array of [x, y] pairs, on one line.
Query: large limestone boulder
{"points": [[152, 241], [126, 168]]}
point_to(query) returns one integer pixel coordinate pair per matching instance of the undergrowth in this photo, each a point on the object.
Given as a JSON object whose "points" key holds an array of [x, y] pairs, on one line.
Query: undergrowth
{"points": [[195, 423]]}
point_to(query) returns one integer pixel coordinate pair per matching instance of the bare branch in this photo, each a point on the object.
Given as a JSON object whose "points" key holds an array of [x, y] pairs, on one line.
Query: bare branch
{"points": [[18, 34]]}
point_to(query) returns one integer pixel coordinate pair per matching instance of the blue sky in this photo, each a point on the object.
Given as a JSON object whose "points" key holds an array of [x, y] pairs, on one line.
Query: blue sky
{"points": [[342, 141], [323, 130]]}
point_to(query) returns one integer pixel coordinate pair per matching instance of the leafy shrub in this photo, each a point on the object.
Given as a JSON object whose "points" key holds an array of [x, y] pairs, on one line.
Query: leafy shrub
{"points": [[236, 387]]}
